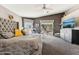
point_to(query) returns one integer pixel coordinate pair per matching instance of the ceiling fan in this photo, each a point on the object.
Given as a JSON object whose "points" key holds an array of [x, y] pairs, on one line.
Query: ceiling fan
{"points": [[46, 9]]}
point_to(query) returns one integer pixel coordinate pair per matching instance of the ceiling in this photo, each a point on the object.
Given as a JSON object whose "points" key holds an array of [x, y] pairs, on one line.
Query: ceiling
{"points": [[35, 10]]}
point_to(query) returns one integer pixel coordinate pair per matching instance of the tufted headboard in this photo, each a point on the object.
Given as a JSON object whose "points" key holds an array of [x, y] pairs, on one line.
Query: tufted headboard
{"points": [[7, 25]]}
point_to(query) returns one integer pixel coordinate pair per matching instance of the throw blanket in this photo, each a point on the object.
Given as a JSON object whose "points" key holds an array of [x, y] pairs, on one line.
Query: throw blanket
{"points": [[24, 45]]}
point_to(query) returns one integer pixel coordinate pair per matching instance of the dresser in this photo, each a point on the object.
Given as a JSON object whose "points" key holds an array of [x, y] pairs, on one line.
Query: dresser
{"points": [[70, 35], [66, 34]]}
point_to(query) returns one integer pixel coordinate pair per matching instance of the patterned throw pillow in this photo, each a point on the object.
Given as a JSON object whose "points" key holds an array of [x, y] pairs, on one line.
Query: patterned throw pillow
{"points": [[7, 35]]}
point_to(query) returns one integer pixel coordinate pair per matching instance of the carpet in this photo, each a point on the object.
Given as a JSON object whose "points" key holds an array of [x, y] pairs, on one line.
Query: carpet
{"points": [[56, 46]]}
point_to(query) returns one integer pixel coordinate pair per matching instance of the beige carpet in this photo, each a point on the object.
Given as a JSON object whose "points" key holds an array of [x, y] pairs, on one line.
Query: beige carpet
{"points": [[56, 46]]}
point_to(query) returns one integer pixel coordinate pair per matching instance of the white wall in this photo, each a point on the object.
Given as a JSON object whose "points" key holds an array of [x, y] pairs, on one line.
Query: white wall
{"points": [[73, 12], [72, 9], [4, 13]]}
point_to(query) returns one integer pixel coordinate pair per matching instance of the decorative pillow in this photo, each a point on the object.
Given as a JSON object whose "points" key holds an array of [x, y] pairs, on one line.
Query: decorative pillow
{"points": [[7, 35], [27, 31], [24, 33], [18, 32]]}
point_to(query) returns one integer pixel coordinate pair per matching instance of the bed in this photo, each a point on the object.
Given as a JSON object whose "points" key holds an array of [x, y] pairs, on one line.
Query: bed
{"points": [[23, 45]]}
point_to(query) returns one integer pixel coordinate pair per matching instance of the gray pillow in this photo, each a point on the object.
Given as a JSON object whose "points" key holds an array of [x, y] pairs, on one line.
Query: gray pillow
{"points": [[7, 35]]}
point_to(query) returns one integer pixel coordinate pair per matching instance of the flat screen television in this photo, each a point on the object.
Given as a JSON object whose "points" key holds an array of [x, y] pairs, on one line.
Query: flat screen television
{"points": [[69, 23]]}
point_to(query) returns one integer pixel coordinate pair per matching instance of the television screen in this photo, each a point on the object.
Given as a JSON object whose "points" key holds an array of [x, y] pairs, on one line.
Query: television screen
{"points": [[69, 23]]}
